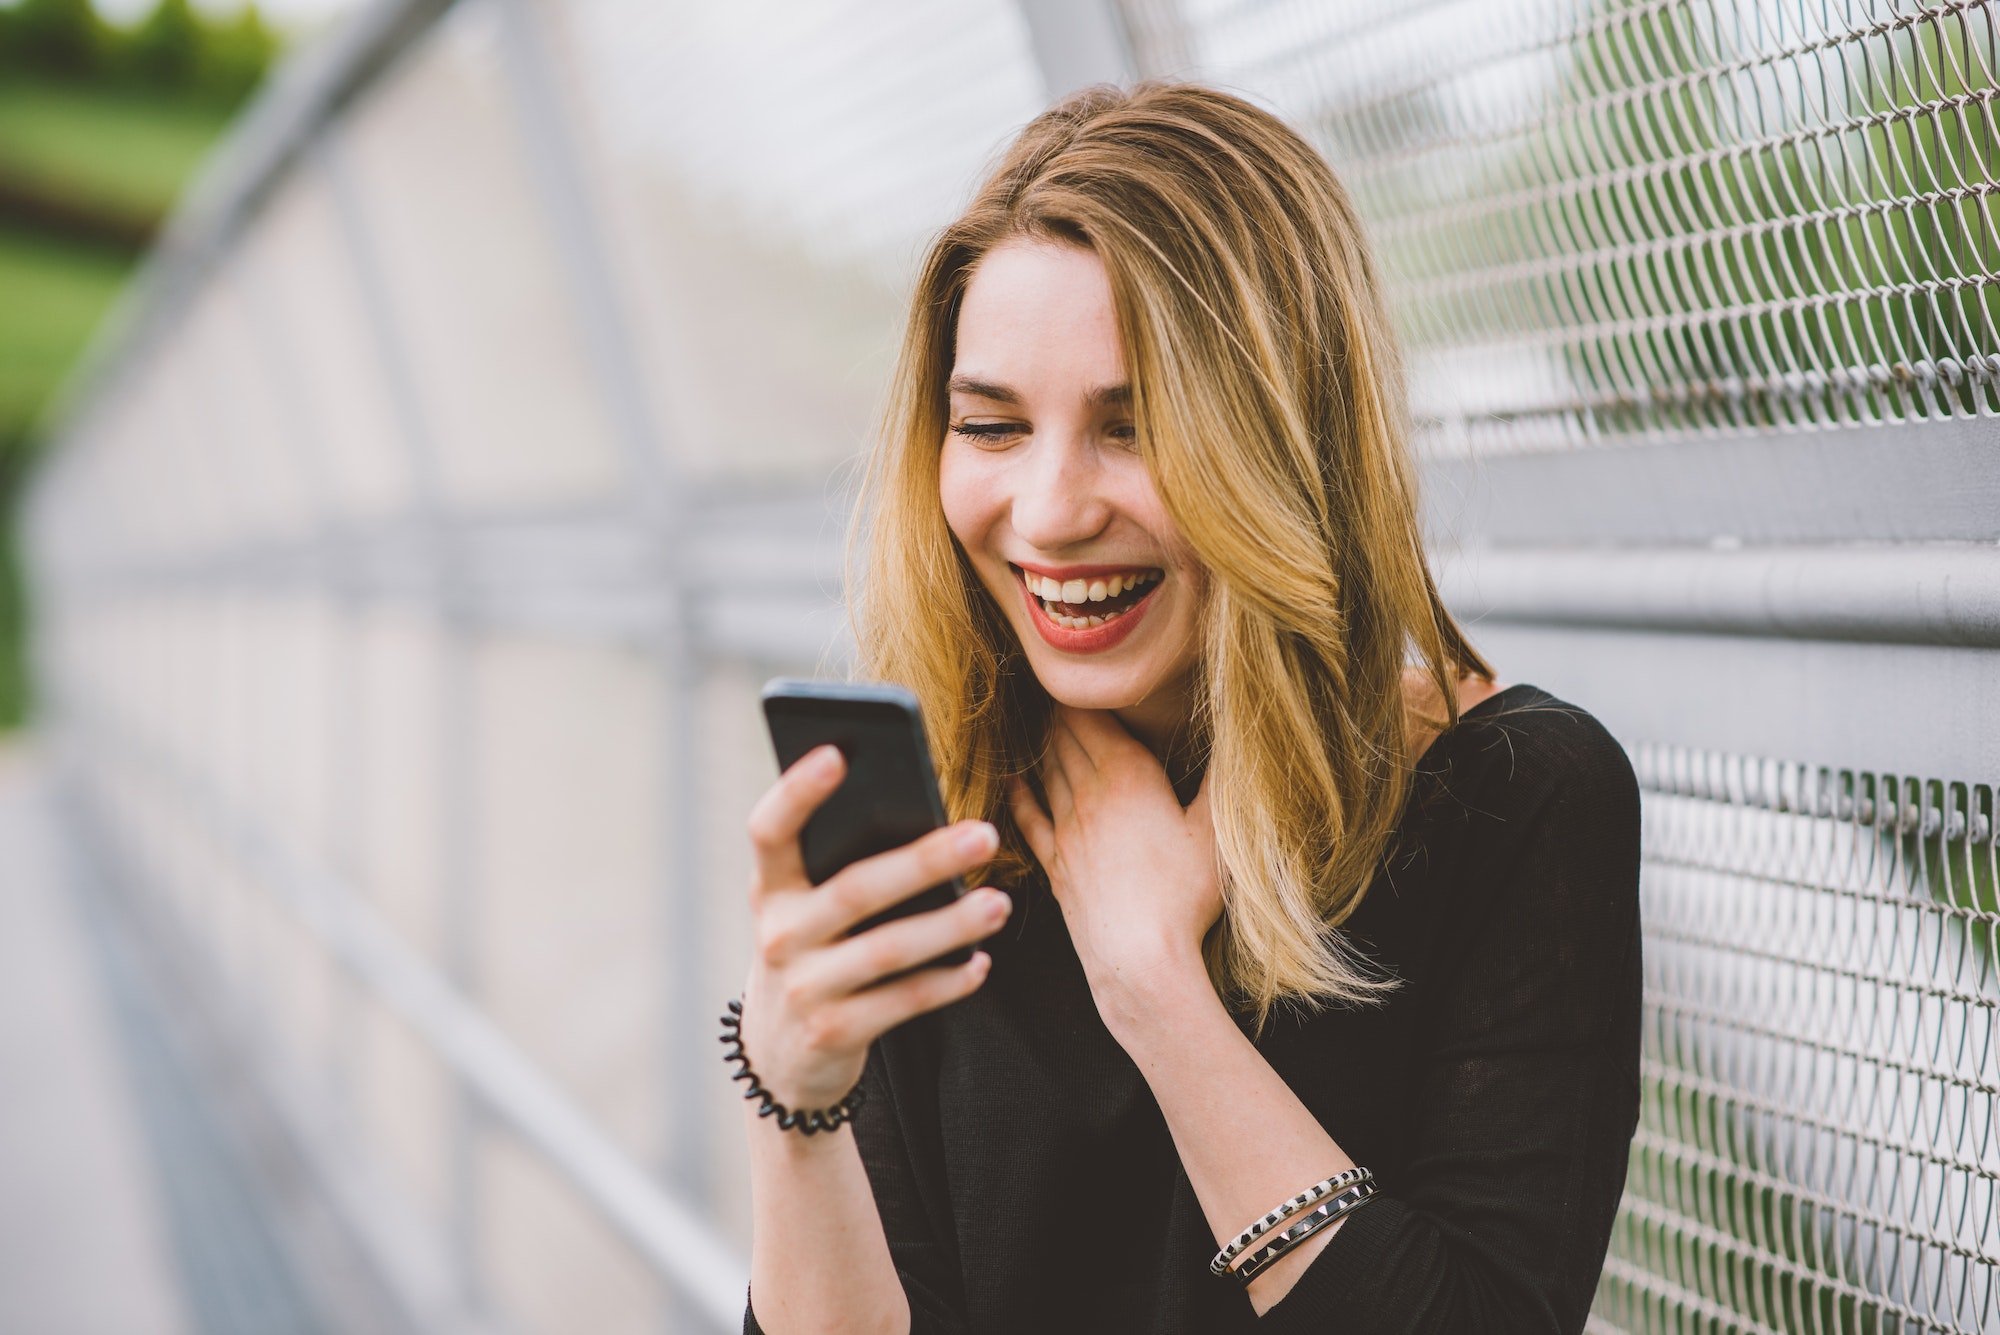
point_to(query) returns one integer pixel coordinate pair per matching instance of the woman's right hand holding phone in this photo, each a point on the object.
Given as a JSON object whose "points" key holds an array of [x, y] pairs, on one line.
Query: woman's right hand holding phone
{"points": [[810, 1007]]}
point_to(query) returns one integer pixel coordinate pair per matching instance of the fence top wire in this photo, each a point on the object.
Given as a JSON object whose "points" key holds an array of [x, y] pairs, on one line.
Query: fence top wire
{"points": [[1616, 220]]}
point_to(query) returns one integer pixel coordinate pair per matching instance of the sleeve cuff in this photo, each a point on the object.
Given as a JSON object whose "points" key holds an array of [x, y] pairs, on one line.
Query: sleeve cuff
{"points": [[1337, 1290]]}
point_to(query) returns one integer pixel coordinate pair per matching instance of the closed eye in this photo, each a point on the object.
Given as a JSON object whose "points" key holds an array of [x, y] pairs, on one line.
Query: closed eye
{"points": [[1125, 434], [985, 430]]}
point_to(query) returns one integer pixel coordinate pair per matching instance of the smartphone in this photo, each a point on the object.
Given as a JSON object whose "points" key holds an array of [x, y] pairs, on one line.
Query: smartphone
{"points": [[889, 795]]}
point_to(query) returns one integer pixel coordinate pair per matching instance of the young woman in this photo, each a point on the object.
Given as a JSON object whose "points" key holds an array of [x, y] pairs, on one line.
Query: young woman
{"points": [[1279, 883]]}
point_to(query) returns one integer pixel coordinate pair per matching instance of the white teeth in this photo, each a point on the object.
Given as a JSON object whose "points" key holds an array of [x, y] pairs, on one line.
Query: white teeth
{"points": [[1085, 590], [1068, 622]]}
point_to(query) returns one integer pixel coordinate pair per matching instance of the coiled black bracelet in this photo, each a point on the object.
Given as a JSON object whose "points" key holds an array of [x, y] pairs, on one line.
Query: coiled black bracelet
{"points": [[821, 1119]]}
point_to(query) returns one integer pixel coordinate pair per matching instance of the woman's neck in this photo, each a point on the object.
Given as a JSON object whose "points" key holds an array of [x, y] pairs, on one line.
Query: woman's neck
{"points": [[1164, 724]]}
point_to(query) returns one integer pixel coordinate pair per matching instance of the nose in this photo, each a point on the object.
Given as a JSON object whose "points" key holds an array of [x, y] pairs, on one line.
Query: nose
{"points": [[1060, 501]]}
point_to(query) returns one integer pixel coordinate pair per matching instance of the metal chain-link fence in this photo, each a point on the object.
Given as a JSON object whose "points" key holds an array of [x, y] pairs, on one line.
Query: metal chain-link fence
{"points": [[1610, 221], [1688, 229]]}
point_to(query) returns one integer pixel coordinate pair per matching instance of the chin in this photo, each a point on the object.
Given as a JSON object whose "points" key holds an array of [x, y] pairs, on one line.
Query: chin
{"points": [[1088, 688]]}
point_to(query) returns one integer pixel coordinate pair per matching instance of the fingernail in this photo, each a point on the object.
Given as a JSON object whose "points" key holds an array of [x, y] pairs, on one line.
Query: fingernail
{"points": [[824, 758], [998, 902], [978, 837]]}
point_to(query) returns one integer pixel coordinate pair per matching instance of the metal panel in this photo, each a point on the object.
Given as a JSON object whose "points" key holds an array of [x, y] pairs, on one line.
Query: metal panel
{"points": [[1880, 484], [1945, 596], [1699, 300], [499, 331], [1078, 42]]}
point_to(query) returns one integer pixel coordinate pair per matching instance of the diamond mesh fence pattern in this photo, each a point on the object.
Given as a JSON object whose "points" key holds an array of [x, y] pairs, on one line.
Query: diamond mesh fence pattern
{"points": [[1615, 222], [1609, 220], [1819, 1143]]}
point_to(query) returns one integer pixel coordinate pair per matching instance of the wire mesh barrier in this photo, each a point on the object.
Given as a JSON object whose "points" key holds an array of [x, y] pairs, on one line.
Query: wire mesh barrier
{"points": [[1610, 220], [1819, 1147], [1624, 224], [408, 565]]}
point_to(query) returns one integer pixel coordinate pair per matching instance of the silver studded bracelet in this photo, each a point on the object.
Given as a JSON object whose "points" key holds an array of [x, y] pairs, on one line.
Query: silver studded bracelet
{"points": [[1345, 1203], [1317, 1192]]}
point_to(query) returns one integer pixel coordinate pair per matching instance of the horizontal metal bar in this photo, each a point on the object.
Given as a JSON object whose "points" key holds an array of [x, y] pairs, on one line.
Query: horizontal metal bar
{"points": [[1912, 595], [761, 539], [760, 582], [1913, 710], [760, 574], [675, 1241], [1919, 482]]}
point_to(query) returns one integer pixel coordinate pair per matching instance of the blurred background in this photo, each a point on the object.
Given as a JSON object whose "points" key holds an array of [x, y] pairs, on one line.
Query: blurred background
{"points": [[104, 114], [425, 425]]}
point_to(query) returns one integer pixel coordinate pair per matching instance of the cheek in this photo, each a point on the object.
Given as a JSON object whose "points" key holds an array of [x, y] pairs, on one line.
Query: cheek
{"points": [[1150, 512], [967, 500], [1181, 558]]}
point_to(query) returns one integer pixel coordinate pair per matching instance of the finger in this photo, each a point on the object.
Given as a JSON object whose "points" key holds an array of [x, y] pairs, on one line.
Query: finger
{"points": [[866, 1016], [864, 888], [1101, 734], [1069, 747], [848, 966], [1055, 782], [781, 813], [1031, 820]]}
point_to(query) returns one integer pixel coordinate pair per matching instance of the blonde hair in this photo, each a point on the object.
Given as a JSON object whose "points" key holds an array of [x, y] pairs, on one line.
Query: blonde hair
{"points": [[1268, 399]]}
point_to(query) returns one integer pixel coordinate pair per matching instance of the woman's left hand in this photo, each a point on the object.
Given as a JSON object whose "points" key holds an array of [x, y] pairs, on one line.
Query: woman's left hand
{"points": [[1135, 873]]}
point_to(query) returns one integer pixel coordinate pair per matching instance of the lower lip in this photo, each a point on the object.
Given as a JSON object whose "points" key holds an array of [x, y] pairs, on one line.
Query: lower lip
{"points": [[1094, 639]]}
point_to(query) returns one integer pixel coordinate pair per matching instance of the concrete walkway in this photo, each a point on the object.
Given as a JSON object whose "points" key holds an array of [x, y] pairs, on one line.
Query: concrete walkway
{"points": [[84, 1240], [146, 1185]]}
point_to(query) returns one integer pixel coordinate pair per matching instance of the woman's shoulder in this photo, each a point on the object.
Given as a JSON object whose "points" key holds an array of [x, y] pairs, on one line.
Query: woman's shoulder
{"points": [[1536, 810], [1526, 738], [1517, 759]]}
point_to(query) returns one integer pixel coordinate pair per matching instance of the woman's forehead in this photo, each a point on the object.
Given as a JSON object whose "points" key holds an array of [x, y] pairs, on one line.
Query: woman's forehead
{"points": [[1039, 316]]}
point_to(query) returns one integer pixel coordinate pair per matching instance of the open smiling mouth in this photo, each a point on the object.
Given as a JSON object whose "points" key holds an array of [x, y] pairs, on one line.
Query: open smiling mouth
{"points": [[1083, 604]]}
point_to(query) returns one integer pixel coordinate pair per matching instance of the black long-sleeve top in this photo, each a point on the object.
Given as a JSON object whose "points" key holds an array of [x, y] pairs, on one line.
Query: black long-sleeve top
{"points": [[1027, 1181]]}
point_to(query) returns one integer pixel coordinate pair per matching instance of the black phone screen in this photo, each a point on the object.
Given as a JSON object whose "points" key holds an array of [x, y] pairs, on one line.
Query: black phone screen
{"points": [[889, 795]]}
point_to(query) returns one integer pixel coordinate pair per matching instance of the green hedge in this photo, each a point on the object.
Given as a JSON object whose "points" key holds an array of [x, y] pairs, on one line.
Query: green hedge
{"points": [[174, 48]]}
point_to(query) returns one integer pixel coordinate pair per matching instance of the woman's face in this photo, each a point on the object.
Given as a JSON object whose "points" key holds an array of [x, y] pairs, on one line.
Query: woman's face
{"points": [[1042, 483]]}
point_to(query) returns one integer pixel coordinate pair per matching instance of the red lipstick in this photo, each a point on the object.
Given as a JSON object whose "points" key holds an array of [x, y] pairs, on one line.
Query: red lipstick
{"points": [[1078, 572], [1092, 639]]}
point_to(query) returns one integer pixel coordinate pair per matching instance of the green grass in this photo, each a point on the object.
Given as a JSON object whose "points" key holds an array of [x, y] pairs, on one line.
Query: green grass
{"points": [[125, 150], [52, 295], [121, 152]]}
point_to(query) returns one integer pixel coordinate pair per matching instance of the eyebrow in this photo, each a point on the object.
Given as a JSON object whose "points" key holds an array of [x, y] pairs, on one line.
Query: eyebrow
{"points": [[1105, 396]]}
